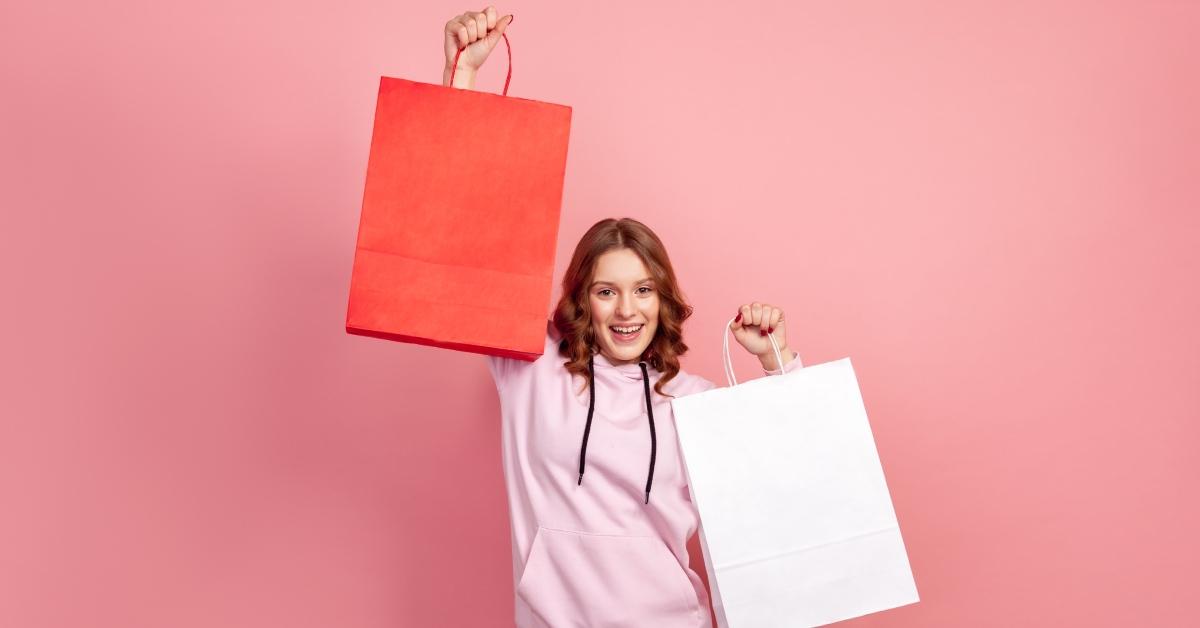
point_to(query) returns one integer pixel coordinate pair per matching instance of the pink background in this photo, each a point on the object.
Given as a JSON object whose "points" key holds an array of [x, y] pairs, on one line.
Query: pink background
{"points": [[992, 208]]}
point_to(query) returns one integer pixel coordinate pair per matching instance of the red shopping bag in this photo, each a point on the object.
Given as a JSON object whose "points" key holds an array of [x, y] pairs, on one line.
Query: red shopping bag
{"points": [[459, 219]]}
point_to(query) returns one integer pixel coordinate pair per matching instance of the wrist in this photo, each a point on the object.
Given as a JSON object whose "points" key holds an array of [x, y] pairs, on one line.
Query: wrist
{"points": [[768, 359], [464, 77]]}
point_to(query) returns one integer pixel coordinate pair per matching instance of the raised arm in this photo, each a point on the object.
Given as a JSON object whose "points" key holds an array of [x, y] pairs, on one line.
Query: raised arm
{"points": [[476, 33]]}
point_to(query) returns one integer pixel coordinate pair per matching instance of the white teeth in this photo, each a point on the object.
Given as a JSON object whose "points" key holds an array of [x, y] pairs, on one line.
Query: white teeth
{"points": [[626, 330]]}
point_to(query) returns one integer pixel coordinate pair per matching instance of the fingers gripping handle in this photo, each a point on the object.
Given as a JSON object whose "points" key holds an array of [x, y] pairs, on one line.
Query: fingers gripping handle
{"points": [[729, 376]]}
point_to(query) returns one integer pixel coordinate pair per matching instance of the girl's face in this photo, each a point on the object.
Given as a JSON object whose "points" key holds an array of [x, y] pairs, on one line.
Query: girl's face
{"points": [[623, 295]]}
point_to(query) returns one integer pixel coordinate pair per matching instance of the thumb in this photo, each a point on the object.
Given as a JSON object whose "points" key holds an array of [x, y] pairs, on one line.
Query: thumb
{"points": [[494, 36], [737, 323]]}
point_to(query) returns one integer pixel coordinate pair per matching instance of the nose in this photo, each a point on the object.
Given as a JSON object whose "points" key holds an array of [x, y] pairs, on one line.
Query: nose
{"points": [[625, 307]]}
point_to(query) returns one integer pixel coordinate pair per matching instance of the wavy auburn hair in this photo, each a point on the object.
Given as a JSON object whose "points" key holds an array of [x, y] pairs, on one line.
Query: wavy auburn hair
{"points": [[573, 315]]}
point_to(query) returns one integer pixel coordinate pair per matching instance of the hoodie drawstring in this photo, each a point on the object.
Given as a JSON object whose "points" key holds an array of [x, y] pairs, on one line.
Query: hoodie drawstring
{"points": [[653, 440], [588, 427], [591, 406]]}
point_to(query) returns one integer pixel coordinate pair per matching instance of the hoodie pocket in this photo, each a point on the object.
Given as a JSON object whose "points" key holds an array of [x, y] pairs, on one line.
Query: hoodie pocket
{"points": [[582, 579]]}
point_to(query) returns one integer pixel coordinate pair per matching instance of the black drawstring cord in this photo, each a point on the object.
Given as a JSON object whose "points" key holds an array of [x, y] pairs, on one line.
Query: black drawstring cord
{"points": [[653, 439], [587, 429], [591, 407]]}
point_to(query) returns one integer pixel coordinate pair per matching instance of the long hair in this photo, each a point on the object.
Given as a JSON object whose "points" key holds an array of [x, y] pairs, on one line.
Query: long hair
{"points": [[573, 315]]}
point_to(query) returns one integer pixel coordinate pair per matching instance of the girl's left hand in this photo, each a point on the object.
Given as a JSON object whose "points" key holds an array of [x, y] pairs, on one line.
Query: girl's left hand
{"points": [[754, 322]]}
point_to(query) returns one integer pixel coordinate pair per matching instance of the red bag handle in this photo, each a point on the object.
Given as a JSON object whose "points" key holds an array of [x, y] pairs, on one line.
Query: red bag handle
{"points": [[508, 78]]}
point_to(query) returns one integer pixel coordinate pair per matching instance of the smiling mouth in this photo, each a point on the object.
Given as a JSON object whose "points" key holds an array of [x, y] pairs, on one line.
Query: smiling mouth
{"points": [[625, 333]]}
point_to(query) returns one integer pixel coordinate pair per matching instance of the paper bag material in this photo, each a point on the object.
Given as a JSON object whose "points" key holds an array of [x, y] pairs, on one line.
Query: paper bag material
{"points": [[796, 521], [459, 219]]}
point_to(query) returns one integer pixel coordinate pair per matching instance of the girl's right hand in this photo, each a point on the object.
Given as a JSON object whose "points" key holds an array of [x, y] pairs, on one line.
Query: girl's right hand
{"points": [[476, 31]]}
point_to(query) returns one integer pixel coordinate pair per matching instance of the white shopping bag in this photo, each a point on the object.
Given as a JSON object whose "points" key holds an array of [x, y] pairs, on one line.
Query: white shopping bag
{"points": [[797, 526]]}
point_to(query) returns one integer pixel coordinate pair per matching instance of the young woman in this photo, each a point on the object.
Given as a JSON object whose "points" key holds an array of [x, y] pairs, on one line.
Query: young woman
{"points": [[598, 499]]}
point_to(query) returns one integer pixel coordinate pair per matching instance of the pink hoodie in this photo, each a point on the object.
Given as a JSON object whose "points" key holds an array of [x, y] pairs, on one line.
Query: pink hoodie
{"points": [[608, 547]]}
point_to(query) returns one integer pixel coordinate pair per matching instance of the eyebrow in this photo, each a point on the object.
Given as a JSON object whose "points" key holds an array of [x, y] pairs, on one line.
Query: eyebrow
{"points": [[609, 283]]}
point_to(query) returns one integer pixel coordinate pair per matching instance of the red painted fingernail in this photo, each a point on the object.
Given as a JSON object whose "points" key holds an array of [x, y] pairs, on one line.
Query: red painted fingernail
{"points": [[762, 332], [738, 318]]}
